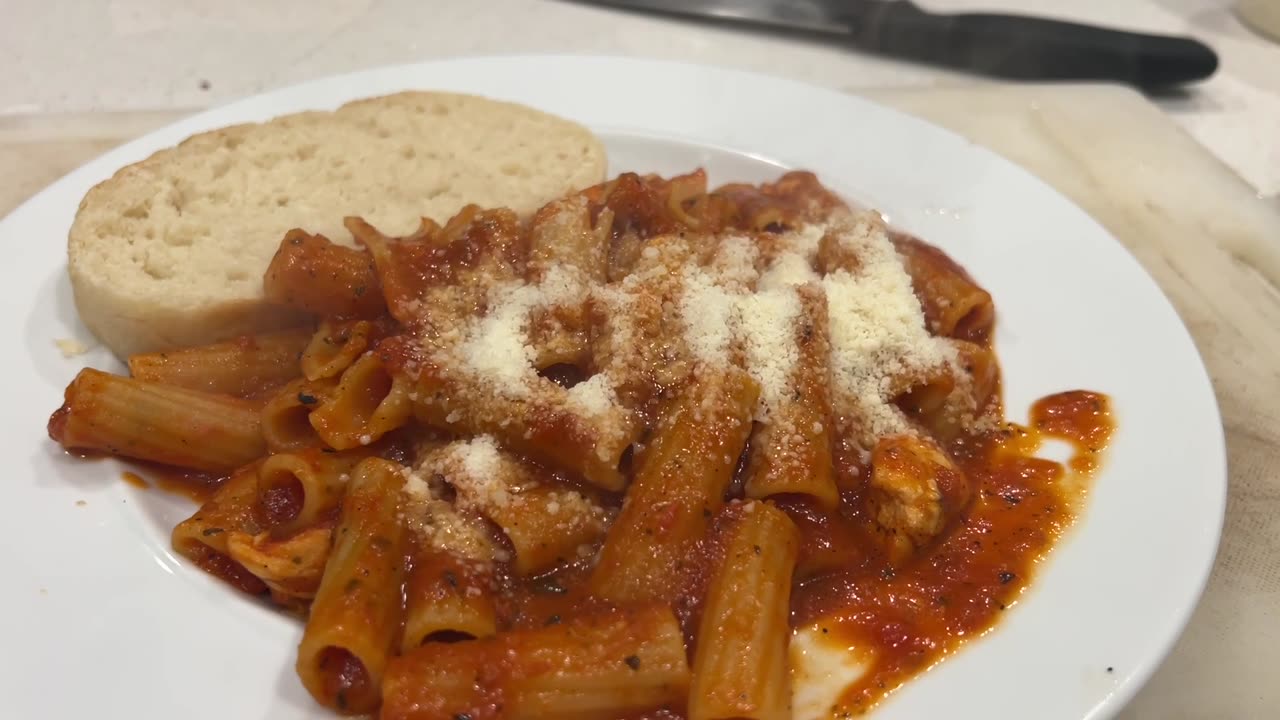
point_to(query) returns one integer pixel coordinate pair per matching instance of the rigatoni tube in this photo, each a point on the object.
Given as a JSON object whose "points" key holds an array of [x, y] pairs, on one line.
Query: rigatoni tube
{"points": [[740, 670], [600, 666], [678, 487], [355, 619], [161, 423], [242, 367]]}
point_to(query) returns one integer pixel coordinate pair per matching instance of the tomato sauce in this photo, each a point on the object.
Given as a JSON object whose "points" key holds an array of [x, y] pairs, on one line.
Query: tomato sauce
{"points": [[903, 616], [345, 677], [909, 618], [194, 485], [228, 570]]}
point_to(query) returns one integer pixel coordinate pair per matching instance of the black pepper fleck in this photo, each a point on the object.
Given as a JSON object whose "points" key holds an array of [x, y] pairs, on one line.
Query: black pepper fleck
{"points": [[632, 662]]}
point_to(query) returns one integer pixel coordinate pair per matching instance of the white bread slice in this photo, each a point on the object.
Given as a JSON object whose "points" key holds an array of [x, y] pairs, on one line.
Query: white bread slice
{"points": [[170, 251]]}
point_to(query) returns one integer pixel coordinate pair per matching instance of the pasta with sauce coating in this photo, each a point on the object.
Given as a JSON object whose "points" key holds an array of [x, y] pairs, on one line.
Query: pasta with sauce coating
{"points": [[239, 367], [740, 669], [162, 423], [522, 461], [597, 666], [355, 618], [678, 487]]}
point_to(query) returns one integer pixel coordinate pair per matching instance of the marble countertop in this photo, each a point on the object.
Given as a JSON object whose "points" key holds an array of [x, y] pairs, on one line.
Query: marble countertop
{"points": [[72, 56]]}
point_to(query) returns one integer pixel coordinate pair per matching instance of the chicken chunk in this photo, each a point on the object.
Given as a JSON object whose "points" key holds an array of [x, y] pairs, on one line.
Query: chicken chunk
{"points": [[914, 490]]}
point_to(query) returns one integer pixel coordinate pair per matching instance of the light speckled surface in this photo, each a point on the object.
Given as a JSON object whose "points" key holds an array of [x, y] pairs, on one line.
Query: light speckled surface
{"points": [[68, 55]]}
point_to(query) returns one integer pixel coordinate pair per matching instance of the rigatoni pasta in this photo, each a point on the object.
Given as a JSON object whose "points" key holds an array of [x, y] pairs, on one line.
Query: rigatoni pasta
{"points": [[243, 367], [299, 489], [335, 346], [601, 462], [679, 486], [367, 403], [448, 597], [203, 537], [740, 669], [312, 274], [597, 666], [791, 452], [286, 416], [161, 423], [954, 305], [356, 615]]}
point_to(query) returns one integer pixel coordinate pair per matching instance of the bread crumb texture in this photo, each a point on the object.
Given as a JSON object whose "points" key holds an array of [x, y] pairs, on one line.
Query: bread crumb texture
{"points": [[172, 250]]}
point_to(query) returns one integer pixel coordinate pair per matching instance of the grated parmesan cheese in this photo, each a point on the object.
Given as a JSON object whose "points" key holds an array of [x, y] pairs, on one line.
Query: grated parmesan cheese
{"points": [[734, 264], [498, 348], [877, 330], [444, 528], [731, 300], [477, 470], [479, 456], [594, 396], [707, 311], [767, 328], [788, 270], [416, 487], [804, 241], [440, 525]]}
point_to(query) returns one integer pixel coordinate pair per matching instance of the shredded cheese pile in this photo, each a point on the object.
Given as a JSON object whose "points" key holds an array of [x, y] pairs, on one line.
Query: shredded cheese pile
{"points": [[701, 304]]}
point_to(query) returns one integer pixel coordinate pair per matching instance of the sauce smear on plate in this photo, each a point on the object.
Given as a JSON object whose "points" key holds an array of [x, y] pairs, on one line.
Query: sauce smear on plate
{"points": [[907, 619]]}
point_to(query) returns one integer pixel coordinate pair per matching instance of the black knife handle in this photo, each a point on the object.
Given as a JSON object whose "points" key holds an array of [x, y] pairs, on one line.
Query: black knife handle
{"points": [[1029, 48]]}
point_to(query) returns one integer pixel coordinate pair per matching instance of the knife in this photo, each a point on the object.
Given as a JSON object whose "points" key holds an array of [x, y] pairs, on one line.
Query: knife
{"points": [[1000, 45]]}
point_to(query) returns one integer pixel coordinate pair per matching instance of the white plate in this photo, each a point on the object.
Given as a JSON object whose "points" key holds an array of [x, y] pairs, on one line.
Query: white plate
{"points": [[98, 615]]}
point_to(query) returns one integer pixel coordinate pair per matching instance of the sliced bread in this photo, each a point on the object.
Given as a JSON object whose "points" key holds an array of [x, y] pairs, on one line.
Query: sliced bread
{"points": [[170, 251]]}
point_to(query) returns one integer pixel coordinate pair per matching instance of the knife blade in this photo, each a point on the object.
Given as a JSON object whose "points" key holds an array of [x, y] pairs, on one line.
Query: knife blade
{"points": [[1007, 46]]}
